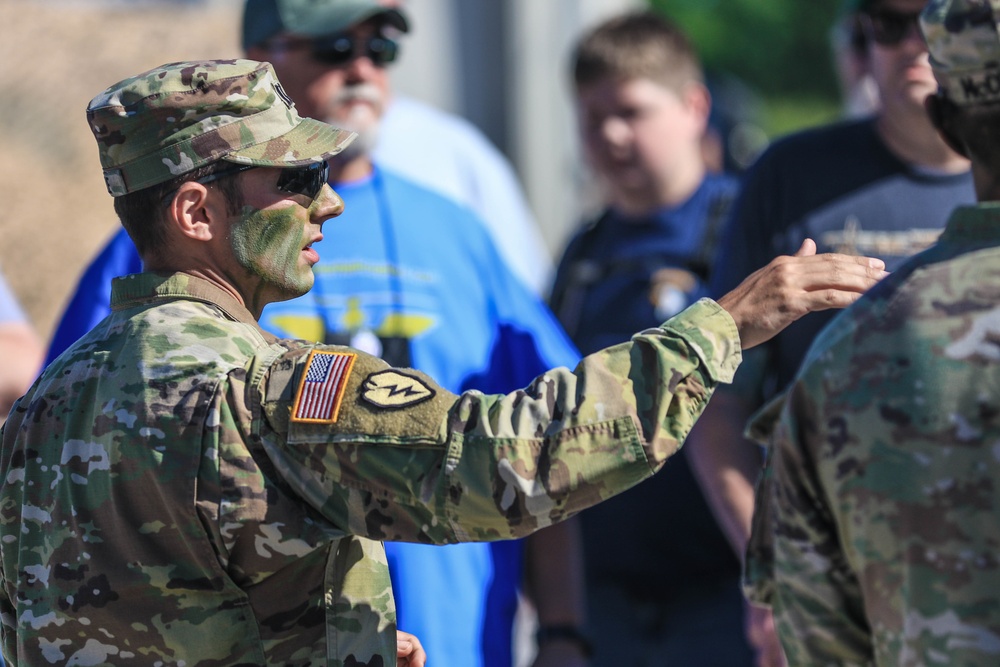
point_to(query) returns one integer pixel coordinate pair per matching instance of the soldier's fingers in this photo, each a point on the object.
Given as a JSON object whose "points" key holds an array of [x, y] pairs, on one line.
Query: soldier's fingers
{"points": [[842, 278], [842, 271], [409, 651], [807, 248], [832, 259], [825, 299]]}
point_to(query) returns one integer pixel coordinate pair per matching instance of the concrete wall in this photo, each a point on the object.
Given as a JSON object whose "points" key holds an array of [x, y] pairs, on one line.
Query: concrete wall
{"points": [[504, 65]]}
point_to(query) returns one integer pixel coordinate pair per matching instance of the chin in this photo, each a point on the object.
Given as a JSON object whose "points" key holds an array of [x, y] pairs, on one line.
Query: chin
{"points": [[289, 292]]}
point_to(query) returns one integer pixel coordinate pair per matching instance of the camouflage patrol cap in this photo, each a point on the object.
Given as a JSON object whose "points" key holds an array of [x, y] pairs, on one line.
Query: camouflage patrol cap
{"points": [[263, 19], [173, 119], [964, 45]]}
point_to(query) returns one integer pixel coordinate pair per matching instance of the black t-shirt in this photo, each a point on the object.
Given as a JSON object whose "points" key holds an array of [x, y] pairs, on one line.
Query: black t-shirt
{"points": [[840, 186]]}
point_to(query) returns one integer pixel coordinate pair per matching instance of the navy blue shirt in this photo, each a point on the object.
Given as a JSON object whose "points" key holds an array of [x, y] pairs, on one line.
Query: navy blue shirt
{"points": [[840, 186], [622, 274], [618, 276]]}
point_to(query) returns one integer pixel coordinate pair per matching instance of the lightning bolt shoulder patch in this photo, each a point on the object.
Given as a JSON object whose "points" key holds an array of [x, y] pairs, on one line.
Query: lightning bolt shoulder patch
{"points": [[321, 390], [393, 389]]}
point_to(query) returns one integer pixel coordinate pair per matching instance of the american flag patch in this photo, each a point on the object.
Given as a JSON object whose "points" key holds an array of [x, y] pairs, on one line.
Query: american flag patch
{"points": [[322, 387]]}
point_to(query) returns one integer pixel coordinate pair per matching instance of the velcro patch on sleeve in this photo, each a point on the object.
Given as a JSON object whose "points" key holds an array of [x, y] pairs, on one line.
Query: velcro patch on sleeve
{"points": [[391, 389], [322, 387]]}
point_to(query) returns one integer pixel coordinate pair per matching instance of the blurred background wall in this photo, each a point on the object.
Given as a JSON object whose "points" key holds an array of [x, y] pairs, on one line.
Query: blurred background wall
{"points": [[501, 63]]}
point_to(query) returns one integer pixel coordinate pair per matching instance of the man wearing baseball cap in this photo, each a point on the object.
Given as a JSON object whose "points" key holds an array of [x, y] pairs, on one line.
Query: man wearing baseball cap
{"points": [[182, 488], [413, 277], [885, 493]]}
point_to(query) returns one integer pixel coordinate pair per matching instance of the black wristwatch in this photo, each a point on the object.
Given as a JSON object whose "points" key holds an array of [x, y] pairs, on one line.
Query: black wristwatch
{"points": [[569, 633]]}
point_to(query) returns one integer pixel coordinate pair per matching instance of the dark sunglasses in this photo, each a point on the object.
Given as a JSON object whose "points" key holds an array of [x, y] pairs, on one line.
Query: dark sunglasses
{"points": [[888, 28], [341, 49], [306, 181]]}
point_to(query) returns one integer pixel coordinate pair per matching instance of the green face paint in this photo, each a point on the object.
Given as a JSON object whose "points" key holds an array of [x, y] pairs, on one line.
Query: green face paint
{"points": [[268, 244]]}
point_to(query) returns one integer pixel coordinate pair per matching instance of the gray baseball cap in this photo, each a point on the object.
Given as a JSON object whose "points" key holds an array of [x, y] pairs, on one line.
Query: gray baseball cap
{"points": [[964, 45], [263, 19]]}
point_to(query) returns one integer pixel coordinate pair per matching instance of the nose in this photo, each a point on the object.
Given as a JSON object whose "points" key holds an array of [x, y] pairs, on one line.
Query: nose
{"points": [[360, 68], [326, 205]]}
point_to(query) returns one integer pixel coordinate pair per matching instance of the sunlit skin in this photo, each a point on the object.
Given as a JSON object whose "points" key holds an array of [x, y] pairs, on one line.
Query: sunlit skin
{"points": [[271, 239], [644, 139]]}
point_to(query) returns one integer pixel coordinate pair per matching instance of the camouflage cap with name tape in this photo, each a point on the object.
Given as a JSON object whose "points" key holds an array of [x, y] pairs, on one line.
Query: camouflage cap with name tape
{"points": [[175, 118], [964, 44]]}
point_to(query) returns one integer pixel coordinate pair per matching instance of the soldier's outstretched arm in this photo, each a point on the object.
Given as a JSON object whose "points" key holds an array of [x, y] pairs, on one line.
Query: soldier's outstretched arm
{"points": [[387, 454], [773, 297]]}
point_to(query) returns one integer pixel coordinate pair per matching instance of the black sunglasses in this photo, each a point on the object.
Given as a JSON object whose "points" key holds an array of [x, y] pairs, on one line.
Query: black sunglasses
{"points": [[341, 49], [889, 28], [307, 180]]}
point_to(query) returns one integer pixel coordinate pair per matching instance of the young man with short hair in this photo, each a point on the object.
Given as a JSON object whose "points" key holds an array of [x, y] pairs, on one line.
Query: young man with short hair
{"points": [[669, 595]]}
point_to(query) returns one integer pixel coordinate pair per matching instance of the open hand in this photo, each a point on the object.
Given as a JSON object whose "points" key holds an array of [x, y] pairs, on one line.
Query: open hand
{"points": [[773, 297]]}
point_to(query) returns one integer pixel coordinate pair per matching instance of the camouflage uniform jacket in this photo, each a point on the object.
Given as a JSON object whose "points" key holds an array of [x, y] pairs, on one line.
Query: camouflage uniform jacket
{"points": [[885, 480], [174, 496]]}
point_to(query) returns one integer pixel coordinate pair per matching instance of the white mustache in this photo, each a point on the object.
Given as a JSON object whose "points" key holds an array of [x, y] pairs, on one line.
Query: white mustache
{"points": [[362, 92]]}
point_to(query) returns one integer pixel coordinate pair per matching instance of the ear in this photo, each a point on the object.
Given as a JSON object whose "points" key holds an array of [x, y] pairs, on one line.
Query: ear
{"points": [[197, 212], [942, 113], [697, 98]]}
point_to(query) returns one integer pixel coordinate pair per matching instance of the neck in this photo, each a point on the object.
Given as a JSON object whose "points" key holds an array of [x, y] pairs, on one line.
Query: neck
{"points": [[211, 274], [670, 192], [912, 138]]}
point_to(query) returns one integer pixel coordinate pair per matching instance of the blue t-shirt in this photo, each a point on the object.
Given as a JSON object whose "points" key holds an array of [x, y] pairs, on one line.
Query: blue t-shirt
{"points": [[407, 273], [618, 276], [413, 277], [91, 302], [840, 186]]}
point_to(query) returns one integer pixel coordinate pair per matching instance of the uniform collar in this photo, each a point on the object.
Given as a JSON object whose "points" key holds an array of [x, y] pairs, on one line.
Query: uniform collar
{"points": [[979, 222], [144, 289]]}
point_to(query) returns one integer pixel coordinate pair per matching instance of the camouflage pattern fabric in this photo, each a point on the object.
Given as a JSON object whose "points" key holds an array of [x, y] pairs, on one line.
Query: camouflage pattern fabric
{"points": [[964, 46], [168, 121], [886, 469], [174, 495], [758, 561]]}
